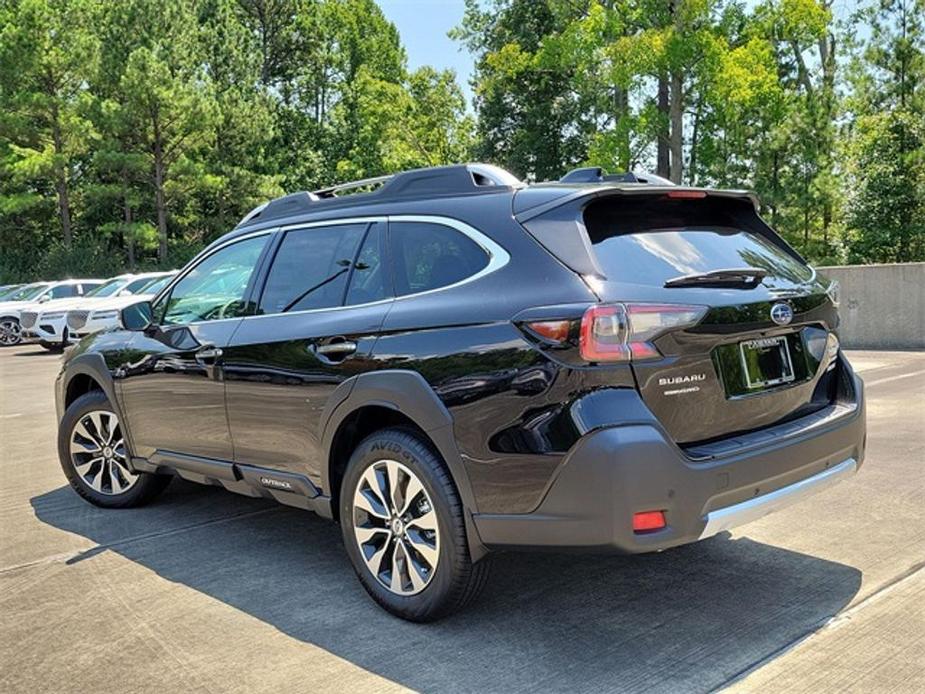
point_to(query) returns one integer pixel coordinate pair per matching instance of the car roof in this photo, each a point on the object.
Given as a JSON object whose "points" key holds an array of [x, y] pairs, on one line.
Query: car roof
{"points": [[445, 189], [72, 281]]}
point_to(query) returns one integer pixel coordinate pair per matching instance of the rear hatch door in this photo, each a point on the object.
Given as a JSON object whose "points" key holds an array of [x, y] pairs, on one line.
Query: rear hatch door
{"points": [[738, 369]]}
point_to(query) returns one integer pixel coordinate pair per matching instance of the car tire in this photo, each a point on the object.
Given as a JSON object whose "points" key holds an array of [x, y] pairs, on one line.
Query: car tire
{"points": [[94, 457], [10, 332], [420, 568]]}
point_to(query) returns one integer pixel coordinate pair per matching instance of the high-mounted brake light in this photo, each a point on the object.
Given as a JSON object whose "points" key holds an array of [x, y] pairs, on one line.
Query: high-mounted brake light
{"points": [[624, 332], [686, 194]]}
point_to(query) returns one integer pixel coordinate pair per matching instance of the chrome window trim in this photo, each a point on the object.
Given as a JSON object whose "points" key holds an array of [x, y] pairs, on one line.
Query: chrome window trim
{"points": [[341, 221], [498, 257]]}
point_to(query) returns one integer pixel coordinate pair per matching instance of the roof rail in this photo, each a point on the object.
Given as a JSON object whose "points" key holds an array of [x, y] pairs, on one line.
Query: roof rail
{"points": [[595, 174], [457, 179], [332, 191]]}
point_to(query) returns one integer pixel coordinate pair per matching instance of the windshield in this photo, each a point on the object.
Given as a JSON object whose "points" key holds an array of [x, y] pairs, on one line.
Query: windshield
{"points": [[108, 288], [157, 285], [28, 292], [651, 242], [9, 291], [136, 285]]}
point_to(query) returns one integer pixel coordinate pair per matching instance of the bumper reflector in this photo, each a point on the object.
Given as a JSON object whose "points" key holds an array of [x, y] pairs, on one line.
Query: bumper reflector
{"points": [[648, 520]]}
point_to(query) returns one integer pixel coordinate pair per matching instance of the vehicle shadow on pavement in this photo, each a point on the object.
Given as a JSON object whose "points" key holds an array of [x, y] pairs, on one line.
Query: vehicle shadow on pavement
{"points": [[39, 352], [689, 619]]}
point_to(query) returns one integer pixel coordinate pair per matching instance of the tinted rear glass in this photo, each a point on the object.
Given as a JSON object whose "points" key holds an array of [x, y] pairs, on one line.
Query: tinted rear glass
{"points": [[368, 281], [429, 256], [311, 268], [646, 241], [64, 291]]}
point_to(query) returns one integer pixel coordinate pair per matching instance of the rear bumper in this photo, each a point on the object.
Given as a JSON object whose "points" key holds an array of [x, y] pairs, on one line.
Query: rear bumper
{"points": [[744, 512], [616, 472]]}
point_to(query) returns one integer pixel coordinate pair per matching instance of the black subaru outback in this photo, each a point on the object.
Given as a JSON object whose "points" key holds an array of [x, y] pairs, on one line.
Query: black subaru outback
{"points": [[451, 362]]}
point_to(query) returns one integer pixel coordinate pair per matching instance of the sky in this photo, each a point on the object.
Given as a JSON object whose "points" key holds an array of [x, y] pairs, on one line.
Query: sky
{"points": [[423, 25]]}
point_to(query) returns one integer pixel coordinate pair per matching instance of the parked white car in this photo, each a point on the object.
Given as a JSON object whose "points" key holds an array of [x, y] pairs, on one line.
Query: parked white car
{"points": [[47, 324], [104, 314], [35, 295]]}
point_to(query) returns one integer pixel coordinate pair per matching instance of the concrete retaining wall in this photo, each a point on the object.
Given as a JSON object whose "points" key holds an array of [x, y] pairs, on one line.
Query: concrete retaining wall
{"points": [[882, 306]]}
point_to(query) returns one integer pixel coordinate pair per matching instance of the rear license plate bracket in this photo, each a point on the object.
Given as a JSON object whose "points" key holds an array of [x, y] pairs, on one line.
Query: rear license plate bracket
{"points": [[766, 362]]}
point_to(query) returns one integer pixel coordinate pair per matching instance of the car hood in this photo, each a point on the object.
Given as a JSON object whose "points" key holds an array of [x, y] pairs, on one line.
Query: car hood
{"points": [[53, 305], [111, 303], [12, 306]]}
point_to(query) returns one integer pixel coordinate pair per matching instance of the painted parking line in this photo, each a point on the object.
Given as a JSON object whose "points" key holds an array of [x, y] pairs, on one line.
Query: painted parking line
{"points": [[868, 384]]}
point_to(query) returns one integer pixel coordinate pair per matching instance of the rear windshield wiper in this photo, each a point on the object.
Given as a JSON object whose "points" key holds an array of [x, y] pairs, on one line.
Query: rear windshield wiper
{"points": [[742, 277]]}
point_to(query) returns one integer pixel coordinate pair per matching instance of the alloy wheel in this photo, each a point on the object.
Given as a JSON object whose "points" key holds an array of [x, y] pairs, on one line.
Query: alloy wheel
{"points": [[98, 453], [10, 333], [396, 528]]}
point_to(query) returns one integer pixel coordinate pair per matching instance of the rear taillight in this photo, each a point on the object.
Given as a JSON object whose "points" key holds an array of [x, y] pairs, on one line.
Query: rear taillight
{"points": [[555, 331], [624, 332]]}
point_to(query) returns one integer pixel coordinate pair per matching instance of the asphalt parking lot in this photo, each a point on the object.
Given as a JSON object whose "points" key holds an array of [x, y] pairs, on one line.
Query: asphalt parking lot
{"points": [[208, 591]]}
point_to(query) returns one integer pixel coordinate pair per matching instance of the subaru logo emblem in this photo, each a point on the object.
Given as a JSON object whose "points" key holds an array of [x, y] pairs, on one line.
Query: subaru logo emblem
{"points": [[781, 314]]}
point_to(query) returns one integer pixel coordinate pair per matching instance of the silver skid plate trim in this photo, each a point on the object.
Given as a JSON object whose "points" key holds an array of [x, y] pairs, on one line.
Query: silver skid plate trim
{"points": [[753, 509]]}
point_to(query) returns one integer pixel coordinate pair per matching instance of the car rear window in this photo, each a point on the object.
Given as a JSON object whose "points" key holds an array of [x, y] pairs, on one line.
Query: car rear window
{"points": [[428, 256], [650, 241]]}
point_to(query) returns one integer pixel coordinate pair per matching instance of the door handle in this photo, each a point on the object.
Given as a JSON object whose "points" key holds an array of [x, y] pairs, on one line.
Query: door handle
{"points": [[337, 349], [208, 353]]}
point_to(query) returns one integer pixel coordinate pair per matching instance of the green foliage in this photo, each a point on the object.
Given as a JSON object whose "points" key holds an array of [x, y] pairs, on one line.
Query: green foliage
{"points": [[530, 117], [133, 132], [711, 92], [886, 211]]}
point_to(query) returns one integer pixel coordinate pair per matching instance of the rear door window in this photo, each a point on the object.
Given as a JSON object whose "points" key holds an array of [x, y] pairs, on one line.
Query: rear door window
{"points": [[429, 256], [311, 268], [370, 280], [650, 241]]}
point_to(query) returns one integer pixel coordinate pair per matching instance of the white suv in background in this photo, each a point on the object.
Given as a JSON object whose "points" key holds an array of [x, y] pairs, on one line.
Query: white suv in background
{"points": [[47, 324], [32, 296], [104, 313]]}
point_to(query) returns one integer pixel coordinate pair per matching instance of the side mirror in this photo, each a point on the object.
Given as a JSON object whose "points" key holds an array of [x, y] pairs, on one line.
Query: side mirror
{"points": [[44, 298], [137, 317]]}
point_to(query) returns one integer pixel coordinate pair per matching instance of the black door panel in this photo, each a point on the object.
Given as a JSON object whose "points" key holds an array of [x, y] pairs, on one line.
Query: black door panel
{"points": [[172, 392], [282, 367], [280, 371], [172, 389]]}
